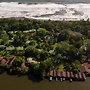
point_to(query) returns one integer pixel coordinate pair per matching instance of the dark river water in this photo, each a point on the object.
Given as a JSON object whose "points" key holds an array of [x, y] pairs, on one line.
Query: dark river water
{"points": [[8, 82]]}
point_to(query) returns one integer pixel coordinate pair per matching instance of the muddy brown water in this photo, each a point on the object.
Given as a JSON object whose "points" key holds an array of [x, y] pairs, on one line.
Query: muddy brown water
{"points": [[8, 82]]}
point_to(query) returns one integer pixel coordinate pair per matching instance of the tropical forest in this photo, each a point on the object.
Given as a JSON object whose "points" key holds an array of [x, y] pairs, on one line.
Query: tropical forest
{"points": [[36, 46]]}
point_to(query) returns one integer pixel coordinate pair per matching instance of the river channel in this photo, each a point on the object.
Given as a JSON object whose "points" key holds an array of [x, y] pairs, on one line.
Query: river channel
{"points": [[8, 82]]}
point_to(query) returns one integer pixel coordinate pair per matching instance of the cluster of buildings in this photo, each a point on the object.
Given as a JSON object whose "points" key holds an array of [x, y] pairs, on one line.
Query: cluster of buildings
{"points": [[8, 63], [81, 75], [66, 75]]}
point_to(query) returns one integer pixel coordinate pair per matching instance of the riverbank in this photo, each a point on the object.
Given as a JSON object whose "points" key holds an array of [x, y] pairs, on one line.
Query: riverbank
{"points": [[22, 83]]}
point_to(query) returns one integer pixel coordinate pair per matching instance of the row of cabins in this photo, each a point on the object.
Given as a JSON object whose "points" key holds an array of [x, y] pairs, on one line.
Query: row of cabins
{"points": [[66, 75]]}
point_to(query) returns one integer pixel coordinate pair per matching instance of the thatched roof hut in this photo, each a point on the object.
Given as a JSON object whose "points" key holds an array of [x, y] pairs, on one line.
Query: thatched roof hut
{"points": [[71, 75], [83, 75], [80, 75], [68, 74], [51, 73], [54, 73], [58, 73], [63, 74], [76, 76]]}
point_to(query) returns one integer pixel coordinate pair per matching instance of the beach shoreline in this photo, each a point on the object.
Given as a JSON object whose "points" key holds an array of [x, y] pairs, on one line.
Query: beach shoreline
{"points": [[46, 11]]}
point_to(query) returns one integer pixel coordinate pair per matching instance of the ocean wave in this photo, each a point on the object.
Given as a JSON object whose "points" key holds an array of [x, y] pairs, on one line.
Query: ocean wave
{"points": [[52, 11]]}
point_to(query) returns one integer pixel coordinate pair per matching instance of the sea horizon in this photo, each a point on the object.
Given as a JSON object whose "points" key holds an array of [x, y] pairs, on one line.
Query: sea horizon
{"points": [[47, 1]]}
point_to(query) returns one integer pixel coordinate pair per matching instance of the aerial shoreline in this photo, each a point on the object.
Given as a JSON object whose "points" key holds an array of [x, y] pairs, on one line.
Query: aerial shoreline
{"points": [[42, 19], [39, 47]]}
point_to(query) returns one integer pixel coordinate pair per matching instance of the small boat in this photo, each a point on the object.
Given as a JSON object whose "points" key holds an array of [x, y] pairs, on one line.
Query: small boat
{"points": [[76, 76], [70, 79], [71, 76], [61, 79], [56, 79]]}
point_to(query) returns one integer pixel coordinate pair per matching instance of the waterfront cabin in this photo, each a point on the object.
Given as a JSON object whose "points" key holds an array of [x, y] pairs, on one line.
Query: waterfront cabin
{"points": [[68, 74], [84, 76], [55, 74], [50, 75], [58, 73], [63, 76], [80, 76], [71, 76], [76, 76]]}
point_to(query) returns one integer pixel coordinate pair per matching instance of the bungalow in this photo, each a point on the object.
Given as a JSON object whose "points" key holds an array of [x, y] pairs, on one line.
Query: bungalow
{"points": [[55, 74], [80, 76], [68, 75], [84, 76], [71, 74], [58, 73], [50, 75], [76, 76], [63, 75]]}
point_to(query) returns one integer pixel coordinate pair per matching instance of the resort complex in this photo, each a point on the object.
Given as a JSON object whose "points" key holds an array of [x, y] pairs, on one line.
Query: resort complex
{"points": [[57, 50]]}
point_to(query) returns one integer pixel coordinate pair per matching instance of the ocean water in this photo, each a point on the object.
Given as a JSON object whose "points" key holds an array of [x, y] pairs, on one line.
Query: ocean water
{"points": [[46, 9], [62, 1]]}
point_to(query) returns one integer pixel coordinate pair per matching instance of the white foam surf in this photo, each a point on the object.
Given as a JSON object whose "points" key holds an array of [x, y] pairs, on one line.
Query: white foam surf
{"points": [[45, 11]]}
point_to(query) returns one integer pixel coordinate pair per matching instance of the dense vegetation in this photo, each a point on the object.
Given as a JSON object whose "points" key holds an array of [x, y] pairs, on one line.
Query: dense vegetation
{"points": [[53, 44]]}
